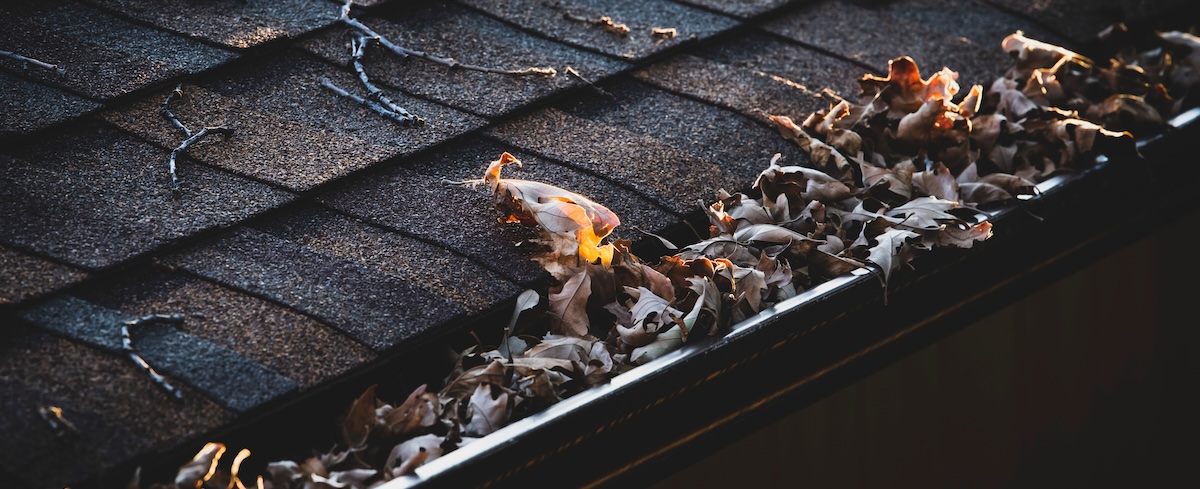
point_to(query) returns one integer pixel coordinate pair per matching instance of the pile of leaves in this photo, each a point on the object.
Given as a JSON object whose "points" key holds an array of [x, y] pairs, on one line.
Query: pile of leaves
{"points": [[901, 171]]}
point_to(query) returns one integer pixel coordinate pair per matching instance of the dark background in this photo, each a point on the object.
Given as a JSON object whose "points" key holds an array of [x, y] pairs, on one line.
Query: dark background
{"points": [[1088, 382]]}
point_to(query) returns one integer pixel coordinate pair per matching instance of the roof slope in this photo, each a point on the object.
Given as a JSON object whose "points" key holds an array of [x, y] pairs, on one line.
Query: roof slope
{"points": [[321, 237]]}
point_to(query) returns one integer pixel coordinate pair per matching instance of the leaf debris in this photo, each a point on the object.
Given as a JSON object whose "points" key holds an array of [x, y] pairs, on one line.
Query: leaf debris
{"points": [[895, 175]]}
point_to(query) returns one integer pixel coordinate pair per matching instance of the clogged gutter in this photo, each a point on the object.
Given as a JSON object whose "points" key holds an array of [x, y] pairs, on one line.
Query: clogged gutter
{"points": [[898, 174]]}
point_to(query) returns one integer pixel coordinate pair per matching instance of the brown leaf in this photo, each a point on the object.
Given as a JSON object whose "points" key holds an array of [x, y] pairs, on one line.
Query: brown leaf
{"points": [[421, 450], [487, 410], [1030, 55], [420, 410], [936, 182], [574, 224], [465, 384], [824, 157], [360, 419], [904, 91], [568, 306]]}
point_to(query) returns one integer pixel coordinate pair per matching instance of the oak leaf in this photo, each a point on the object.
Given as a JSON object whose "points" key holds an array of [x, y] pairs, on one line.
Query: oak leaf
{"points": [[574, 224]]}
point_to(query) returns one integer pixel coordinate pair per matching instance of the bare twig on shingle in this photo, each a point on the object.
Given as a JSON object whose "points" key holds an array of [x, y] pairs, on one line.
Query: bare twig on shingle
{"points": [[192, 138], [53, 416], [127, 346], [604, 22], [35, 62], [571, 71], [165, 110], [404, 52], [403, 116], [357, 49]]}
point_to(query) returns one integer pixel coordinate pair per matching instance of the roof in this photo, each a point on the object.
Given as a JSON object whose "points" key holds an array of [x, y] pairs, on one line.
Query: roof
{"points": [[322, 238]]}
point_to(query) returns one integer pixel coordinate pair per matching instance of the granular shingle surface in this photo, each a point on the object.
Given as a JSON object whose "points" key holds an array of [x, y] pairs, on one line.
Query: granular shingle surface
{"points": [[101, 56], [27, 106], [119, 413], [232, 23], [914, 28], [441, 272], [373, 307], [23, 276], [447, 30], [95, 196], [239, 384], [757, 74], [290, 130], [279, 338], [740, 8], [576, 23], [1078, 19]]}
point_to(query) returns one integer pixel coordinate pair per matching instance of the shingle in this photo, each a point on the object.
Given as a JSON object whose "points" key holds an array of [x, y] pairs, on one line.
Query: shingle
{"points": [[281, 339], [375, 308], [94, 196], [935, 33], [740, 8], [415, 199], [232, 380], [24, 276], [553, 19], [27, 106], [119, 413], [233, 23], [757, 73], [289, 129], [1081, 20], [443, 273], [102, 56], [471, 38], [677, 151]]}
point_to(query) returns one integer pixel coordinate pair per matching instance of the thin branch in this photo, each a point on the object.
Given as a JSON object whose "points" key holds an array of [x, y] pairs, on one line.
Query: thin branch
{"points": [[404, 52], [127, 346], [571, 71], [403, 118], [358, 48], [192, 138], [53, 416], [35, 62], [165, 110], [604, 22], [187, 143]]}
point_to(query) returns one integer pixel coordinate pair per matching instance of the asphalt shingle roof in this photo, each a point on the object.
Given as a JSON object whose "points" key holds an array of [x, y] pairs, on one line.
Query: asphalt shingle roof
{"points": [[321, 237]]}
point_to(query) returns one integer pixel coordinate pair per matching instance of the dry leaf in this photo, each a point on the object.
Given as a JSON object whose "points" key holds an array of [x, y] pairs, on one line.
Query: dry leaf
{"points": [[487, 410], [568, 306], [574, 224]]}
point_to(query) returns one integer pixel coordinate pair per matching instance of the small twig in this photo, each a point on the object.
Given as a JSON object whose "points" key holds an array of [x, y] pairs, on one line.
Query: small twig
{"points": [[184, 146], [663, 33], [357, 49], [604, 22], [404, 52], [405, 118], [165, 110], [53, 415], [127, 346], [192, 138], [571, 71], [35, 62]]}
